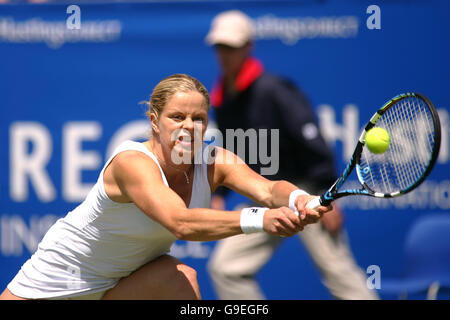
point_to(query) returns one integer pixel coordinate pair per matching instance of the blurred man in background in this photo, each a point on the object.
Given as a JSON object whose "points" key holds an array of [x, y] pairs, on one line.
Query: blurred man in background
{"points": [[248, 97]]}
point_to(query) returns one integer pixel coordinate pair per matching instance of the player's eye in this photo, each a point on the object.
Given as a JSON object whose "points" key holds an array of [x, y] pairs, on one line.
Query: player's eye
{"points": [[177, 117], [201, 119]]}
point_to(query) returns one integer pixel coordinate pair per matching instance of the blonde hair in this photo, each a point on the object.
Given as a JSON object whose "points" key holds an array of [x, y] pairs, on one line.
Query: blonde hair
{"points": [[170, 85]]}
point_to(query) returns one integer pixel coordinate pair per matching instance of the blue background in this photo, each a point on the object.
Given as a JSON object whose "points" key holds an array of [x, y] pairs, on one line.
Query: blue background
{"points": [[105, 81]]}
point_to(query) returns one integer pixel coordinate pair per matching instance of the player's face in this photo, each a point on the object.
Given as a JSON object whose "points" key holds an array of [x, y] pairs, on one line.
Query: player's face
{"points": [[182, 125]]}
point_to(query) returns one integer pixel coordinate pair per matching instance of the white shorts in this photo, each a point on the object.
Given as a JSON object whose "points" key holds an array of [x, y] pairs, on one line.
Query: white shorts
{"points": [[91, 296]]}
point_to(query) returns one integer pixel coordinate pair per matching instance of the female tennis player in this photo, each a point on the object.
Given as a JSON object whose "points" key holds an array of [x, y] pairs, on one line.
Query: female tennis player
{"points": [[115, 244]]}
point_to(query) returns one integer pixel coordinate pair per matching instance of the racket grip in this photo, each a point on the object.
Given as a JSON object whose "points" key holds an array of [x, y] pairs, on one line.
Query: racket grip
{"points": [[314, 203]]}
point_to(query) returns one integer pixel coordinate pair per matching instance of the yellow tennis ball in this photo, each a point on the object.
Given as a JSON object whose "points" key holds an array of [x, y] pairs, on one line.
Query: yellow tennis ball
{"points": [[377, 140]]}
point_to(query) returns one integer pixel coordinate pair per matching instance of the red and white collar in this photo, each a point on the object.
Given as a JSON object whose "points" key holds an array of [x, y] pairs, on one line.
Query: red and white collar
{"points": [[251, 70]]}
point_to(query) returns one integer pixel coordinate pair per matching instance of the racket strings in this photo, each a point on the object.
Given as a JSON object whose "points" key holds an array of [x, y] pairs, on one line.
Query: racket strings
{"points": [[410, 170], [414, 163], [409, 123], [409, 166]]}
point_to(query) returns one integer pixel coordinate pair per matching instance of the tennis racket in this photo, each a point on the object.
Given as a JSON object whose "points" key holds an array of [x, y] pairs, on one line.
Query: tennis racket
{"points": [[415, 137]]}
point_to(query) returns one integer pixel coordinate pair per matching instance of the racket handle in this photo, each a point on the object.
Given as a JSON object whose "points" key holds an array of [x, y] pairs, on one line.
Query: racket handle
{"points": [[314, 203]]}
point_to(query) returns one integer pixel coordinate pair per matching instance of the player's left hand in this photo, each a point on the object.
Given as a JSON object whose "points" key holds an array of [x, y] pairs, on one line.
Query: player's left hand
{"points": [[307, 215]]}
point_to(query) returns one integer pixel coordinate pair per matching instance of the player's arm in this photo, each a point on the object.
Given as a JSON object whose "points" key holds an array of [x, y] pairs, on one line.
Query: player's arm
{"points": [[140, 181], [232, 172]]}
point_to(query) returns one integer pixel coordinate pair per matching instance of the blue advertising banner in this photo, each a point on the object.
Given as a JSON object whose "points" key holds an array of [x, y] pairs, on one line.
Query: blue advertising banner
{"points": [[69, 95]]}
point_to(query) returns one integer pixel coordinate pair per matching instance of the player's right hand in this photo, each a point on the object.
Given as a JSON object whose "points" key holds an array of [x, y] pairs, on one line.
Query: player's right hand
{"points": [[282, 222]]}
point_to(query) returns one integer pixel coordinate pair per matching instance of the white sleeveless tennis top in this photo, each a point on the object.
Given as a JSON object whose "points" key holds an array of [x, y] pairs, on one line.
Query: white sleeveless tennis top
{"points": [[99, 242]]}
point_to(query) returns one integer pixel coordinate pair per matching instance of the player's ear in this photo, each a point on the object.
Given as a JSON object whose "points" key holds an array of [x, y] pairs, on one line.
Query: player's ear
{"points": [[154, 123]]}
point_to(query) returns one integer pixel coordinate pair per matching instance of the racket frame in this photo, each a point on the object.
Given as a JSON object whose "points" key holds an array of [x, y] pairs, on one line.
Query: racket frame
{"points": [[333, 194]]}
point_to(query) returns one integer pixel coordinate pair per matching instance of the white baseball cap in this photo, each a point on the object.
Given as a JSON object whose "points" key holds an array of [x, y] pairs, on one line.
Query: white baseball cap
{"points": [[233, 28]]}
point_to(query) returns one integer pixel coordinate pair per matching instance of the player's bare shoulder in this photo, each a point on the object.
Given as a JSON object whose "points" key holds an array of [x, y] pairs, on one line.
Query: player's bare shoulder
{"points": [[128, 168], [131, 161]]}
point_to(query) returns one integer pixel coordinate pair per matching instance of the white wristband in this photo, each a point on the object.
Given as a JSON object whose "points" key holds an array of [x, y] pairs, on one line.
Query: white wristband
{"points": [[293, 196], [252, 219]]}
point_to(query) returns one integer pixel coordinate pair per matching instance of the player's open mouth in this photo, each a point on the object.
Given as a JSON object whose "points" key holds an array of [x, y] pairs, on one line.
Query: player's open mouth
{"points": [[185, 140]]}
